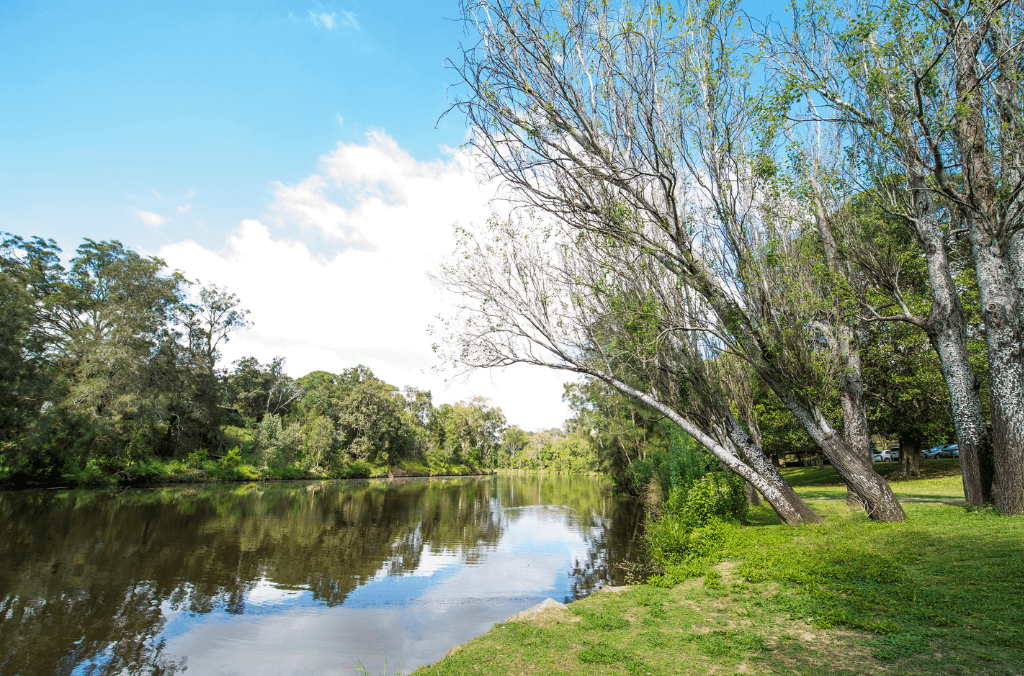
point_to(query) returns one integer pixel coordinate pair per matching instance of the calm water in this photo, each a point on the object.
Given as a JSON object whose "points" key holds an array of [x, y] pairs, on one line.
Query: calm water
{"points": [[292, 578]]}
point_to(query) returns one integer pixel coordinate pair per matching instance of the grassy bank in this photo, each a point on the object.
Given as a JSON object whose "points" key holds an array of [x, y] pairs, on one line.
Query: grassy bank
{"points": [[940, 479], [939, 594]]}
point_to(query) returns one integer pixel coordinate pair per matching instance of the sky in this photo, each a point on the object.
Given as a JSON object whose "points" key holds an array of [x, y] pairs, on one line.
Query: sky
{"points": [[291, 152]]}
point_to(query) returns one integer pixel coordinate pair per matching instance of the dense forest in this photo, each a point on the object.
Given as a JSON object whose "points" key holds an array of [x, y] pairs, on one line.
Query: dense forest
{"points": [[110, 371]]}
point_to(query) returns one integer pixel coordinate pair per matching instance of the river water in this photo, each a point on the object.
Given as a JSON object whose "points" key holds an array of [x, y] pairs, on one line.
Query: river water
{"points": [[294, 577]]}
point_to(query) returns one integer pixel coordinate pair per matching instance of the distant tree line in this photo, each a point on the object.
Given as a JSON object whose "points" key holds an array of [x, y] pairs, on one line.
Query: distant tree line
{"points": [[109, 365]]}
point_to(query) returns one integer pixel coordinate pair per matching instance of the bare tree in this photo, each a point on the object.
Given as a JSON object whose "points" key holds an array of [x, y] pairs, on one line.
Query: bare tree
{"points": [[563, 303], [635, 123]]}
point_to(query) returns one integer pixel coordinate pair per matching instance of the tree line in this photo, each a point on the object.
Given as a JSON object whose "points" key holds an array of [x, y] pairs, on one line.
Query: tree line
{"points": [[109, 367], [713, 211]]}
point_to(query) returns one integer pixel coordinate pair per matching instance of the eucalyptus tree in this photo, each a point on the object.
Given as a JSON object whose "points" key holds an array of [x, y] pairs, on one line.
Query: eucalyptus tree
{"points": [[561, 302], [210, 320], [931, 90], [635, 123]]}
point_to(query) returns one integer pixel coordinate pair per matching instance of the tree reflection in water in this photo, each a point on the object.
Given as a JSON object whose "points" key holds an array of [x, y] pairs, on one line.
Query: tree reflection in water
{"points": [[90, 578]]}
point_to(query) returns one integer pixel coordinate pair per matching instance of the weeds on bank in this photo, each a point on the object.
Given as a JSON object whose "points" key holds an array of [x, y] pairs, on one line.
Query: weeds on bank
{"points": [[236, 466]]}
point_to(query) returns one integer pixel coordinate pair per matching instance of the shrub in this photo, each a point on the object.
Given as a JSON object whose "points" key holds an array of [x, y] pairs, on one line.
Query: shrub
{"points": [[196, 458], [356, 469], [233, 459], [682, 464], [718, 495]]}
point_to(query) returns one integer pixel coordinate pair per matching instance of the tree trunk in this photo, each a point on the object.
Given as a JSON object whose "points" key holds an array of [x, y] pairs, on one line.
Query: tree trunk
{"points": [[1003, 335], [910, 458], [946, 326], [874, 492], [791, 502], [1000, 302], [759, 473], [851, 384], [855, 418], [753, 497]]}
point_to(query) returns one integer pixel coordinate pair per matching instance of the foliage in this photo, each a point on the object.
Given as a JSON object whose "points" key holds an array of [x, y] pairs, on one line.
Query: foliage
{"points": [[109, 368]]}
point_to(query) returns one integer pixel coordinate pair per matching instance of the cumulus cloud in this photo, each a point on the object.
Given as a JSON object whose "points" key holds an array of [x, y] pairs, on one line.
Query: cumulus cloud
{"points": [[150, 217], [365, 296]]}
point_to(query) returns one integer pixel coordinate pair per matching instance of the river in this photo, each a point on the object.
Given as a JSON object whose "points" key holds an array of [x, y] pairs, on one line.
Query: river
{"points": [[293, 577]]}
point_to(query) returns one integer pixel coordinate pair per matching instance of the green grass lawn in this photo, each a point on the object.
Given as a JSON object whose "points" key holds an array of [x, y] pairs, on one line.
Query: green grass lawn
{"points": [[939, 594], [940, 479]]}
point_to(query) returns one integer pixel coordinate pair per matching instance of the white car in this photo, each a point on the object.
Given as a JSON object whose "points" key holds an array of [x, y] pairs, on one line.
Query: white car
{"points": [[881, 456]]}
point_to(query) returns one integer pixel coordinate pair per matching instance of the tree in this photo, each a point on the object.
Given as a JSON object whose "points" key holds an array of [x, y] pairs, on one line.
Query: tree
{"points": [[210, 321], [932, 91], [624, 432], [258, 390], [372, 425], [473, 431], [907, 391], [103, 330], [560, 305], [570, 109], [16, 313], [419, 403], [513, 441]]}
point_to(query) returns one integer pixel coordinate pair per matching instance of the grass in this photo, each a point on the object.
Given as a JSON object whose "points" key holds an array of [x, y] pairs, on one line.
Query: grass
{"points": [[940, 479], [938, 594]]}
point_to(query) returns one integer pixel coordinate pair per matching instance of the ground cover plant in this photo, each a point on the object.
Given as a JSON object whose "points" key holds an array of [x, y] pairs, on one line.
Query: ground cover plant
{"points": [[937, 594]]}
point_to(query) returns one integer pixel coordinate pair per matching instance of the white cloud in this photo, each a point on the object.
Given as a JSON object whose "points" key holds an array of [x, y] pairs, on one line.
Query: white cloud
{"points": [[150, 217], [370, 302], [322, 19], [187, 206], [349, 19]]}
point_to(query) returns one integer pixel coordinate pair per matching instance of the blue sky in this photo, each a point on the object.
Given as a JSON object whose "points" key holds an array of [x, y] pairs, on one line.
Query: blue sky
{"points": [[114, 108]]}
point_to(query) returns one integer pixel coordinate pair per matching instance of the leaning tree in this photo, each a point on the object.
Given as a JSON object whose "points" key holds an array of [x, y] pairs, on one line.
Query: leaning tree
{"points": [[635, 124]]}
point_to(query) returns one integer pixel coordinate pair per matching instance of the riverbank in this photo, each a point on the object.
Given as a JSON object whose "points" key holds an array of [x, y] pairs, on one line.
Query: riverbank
{"points": [[938, 594], [230, 468]]}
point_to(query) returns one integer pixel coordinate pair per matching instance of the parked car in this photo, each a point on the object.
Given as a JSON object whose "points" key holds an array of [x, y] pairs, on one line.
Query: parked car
{"points": [[932, 452], [950, 451], [894, 452], [881, 456]]}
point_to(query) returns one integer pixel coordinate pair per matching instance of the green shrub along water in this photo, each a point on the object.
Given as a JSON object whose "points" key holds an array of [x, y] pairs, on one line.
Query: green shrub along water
{"points": [[687, 533], [675, 464]]}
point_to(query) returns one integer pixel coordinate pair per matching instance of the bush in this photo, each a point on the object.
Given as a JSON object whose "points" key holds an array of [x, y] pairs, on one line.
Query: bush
{"points": [[679, 466], [196, 458], [718, 495], [233, 459], [690, 535], [356, 469]]}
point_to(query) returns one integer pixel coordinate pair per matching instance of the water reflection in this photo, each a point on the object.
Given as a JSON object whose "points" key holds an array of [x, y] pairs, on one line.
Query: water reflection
{"points": [[303, 578]]}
